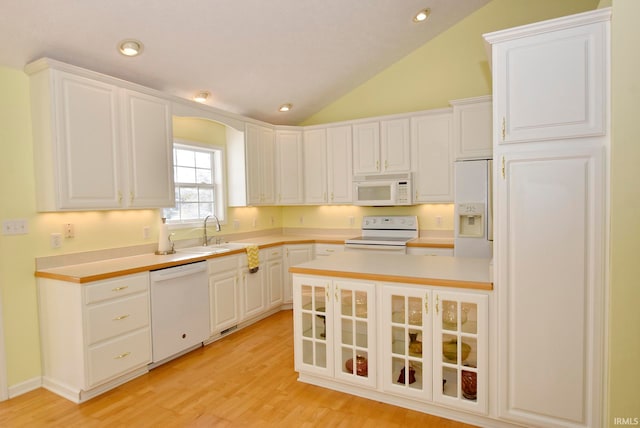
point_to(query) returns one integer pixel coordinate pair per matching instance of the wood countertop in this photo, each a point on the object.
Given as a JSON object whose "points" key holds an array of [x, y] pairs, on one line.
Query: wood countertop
{"points": [[111, 268], [459, 272]]}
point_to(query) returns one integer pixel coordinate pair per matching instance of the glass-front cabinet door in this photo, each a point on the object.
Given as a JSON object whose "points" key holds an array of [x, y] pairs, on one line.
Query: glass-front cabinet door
{"points": [[313, 325], [460, 350], [407, 341], [355, 332]]}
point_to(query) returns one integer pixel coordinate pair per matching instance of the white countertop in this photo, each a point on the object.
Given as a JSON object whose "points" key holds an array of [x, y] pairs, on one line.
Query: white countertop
{"points": [[427, 270]]}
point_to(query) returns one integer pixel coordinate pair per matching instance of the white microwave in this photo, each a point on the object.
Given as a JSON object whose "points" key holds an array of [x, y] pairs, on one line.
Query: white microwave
{"points": [[382, 190]]}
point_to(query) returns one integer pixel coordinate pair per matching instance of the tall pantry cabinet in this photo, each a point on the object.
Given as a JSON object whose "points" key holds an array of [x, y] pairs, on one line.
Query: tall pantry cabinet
{"points": [[551, 156]]}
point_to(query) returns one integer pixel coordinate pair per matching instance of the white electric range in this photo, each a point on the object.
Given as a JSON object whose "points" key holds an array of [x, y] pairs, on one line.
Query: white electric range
{"points": [[388, 234]]}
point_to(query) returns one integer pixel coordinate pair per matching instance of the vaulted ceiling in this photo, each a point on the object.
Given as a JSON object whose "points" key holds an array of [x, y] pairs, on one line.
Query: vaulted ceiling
{"points": [[251, 55]]}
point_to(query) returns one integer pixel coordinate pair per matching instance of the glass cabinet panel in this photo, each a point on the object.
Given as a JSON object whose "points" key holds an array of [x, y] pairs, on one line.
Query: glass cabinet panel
{"points": [[407, 341], [460, 349], [355, 337]]}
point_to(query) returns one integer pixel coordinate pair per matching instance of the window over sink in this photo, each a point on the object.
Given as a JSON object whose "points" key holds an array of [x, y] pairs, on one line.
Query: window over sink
{"points": [[198, 171]]}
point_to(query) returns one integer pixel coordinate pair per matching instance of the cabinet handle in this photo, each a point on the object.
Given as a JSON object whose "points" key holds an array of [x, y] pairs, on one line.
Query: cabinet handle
{"points": [[386, 165], [503, 168], [336, 294], [426, 304], [437, 304], [377, 165], [121, 317], [124, 287], [331, 196], [329, 250], [504, 128], [121, 356], [119, 198], [275, 253], [131, 196]]}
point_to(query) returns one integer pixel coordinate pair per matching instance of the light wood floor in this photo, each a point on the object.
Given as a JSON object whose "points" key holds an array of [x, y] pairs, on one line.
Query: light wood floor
{"points": [[243, 380]]}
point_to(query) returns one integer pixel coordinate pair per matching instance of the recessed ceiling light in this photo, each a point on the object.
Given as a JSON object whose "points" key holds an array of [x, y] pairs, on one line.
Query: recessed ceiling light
{"points": [[130, 47], [201, 97], [422, 15], [285, 107]]}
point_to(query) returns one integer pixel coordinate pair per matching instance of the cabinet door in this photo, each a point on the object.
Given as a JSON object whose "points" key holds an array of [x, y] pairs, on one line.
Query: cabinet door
{"points": [[223, 292], [552, 85], [254, 299], [460, 350], [87, 154], [260, 165], [366, 148], [315, 166], [293, 255], [289, 168], [407, 342], [473, 128], [267, 166], [432, 158], [550, 272], [395, 145], [355, 332], [339, 165], [149, 150], [312, 325], [274, 277]]}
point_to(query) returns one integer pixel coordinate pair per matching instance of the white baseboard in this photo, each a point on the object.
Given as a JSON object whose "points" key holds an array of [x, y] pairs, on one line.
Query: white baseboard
{"points": [[24, 387]]}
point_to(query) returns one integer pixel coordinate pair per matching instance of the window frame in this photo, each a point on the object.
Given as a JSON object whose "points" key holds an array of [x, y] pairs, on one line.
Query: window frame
{"points": [[218, 179]]}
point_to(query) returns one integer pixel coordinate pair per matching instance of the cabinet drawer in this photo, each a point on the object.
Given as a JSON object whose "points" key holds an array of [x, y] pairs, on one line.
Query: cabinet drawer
{"points": [[118, 356], [271, 253], [113, 318], [224, 263], [328, 249], [116, 287]]}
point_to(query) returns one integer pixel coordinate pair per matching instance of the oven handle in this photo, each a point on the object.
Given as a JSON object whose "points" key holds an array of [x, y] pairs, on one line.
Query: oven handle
{"points": [[373, 247]]}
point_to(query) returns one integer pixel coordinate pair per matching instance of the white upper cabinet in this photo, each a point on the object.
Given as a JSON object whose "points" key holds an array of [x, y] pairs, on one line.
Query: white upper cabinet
{"points": [[339, 165], [289, 164], [381, 147], [366, 148], [259, 164], [328, 165], [98, 145], [432, 157], [147, 130], [315, 166], [395, 145], [550, 86], [473, 128]]}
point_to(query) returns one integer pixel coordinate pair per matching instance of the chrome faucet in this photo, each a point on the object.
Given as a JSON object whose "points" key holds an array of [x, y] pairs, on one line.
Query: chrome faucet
{"points": [[205, 240]]}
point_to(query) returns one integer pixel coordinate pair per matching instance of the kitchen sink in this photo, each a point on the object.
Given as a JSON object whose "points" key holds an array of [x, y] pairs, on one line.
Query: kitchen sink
{"points": [[213, 249]]}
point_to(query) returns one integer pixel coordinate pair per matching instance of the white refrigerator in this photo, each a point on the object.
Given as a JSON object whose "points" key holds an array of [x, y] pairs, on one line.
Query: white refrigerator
{"points": [[473, 219]]}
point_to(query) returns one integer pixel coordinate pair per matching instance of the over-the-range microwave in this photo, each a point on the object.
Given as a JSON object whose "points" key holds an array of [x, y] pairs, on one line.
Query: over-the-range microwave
{"points": [[382, 190]]}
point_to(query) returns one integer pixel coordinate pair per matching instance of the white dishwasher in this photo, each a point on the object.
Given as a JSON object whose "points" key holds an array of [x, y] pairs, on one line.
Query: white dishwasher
{"points": [[179, 309]]}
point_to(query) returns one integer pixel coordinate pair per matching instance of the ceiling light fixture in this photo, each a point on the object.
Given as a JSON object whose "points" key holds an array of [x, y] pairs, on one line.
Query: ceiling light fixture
{"points": [[285, 107], [130, 47], [422, 15], [201, 97]]}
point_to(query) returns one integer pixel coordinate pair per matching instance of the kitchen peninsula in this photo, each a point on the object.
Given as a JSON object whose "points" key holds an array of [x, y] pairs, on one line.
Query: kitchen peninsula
{"points": [[406, 330]]}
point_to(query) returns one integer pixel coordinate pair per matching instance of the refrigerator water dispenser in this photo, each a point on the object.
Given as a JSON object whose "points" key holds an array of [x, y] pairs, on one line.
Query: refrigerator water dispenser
{"points": [[471, 220]]}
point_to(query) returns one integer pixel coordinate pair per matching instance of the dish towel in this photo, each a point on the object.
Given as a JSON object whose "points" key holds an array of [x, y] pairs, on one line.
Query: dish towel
{"points": [[253, 258]]}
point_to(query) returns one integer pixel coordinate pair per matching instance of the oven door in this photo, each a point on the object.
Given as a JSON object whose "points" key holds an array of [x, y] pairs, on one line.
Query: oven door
{"points": [[377, 249]]}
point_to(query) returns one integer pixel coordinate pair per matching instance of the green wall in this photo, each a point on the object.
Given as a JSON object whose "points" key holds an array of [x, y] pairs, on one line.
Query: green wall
{"points": [[624, 327], [451, 66]]}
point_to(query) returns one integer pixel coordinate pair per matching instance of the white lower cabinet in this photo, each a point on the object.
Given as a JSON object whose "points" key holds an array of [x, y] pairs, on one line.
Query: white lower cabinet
{"points": [[94, 336], [274, 275], [253, 294], [294, 255], [224, 293], [429, 345], [335, 329]]}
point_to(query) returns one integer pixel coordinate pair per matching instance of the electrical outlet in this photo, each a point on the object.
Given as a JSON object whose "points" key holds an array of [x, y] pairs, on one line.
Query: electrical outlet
{"points": [[352, 221], [146, 232], [15, 227], [439, 221], [236, 224], [69, 230], [301, 219], [254, 223], [56, 240]]}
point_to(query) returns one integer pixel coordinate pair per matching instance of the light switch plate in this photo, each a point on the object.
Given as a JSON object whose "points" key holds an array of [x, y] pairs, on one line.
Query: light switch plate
{"points": [[15, 227]]}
